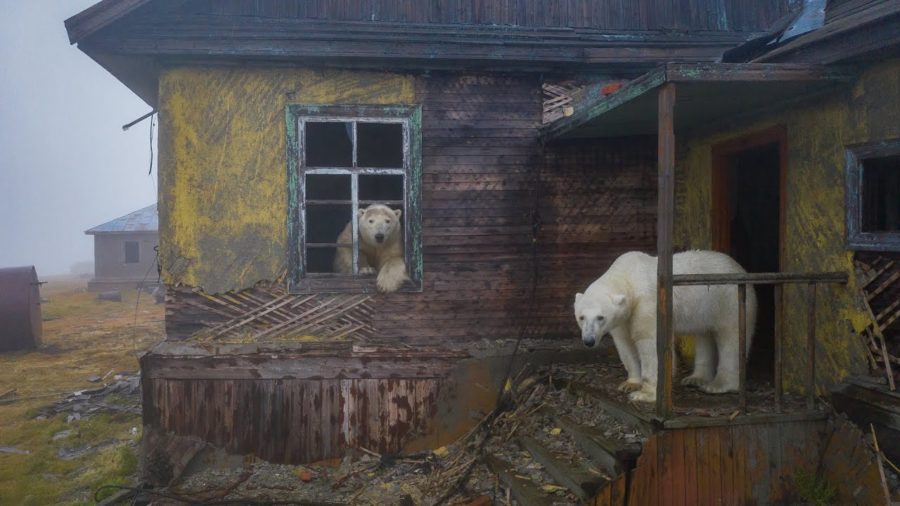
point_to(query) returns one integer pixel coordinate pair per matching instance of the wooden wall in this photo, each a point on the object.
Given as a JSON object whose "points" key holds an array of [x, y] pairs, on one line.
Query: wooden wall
{"points": [[485, 176], [602, 14], [746, 464]]}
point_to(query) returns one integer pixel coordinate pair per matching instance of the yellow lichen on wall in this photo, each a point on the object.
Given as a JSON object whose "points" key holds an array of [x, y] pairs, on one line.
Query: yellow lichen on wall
{"points": [[223, 164], [817, 135]]}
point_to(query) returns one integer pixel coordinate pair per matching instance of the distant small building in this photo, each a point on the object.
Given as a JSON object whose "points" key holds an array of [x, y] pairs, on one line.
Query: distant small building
{"points": [[125, 250]]}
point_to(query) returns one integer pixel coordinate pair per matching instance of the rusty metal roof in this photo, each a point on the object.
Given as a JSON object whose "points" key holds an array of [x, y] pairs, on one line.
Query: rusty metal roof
{"points": [[142, 220]]}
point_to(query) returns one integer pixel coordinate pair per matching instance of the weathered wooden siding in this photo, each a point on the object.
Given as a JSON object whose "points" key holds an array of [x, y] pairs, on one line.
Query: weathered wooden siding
{"points": [[758, 463], [817, 133], [222, 208], [223, 165], [603, 14]]}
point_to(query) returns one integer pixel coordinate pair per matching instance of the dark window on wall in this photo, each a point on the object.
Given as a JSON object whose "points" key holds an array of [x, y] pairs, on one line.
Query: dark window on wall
{"points": [[873, 196], [342, 160], [132, 252]]}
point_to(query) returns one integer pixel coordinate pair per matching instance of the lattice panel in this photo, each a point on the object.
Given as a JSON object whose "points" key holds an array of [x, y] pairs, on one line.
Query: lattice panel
{"points": [[268, 312], [879, 279]]}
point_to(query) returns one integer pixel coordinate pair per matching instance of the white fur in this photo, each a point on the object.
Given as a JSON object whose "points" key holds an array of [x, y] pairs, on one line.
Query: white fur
{"points": [[622, 303], [383, 257]]}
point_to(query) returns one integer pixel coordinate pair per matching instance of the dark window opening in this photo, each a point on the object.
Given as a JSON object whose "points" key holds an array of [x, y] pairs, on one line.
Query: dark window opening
{"points": [[380, 145], [873, 196], [132, 252], [329, 144], [881, 194], [346, 167]]}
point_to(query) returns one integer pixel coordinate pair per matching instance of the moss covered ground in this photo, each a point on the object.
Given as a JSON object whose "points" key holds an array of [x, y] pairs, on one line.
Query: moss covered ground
{"points": [[82, 337]]}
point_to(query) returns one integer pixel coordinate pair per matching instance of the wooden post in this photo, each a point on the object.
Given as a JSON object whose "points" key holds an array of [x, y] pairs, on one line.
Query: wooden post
{"points": [[742, 346], [665, 332], [779, 317], [811, 347]]}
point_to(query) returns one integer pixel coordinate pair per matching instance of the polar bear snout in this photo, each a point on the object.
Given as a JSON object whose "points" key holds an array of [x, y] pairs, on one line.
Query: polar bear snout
{"points": [[379, 237], [589, 341]]}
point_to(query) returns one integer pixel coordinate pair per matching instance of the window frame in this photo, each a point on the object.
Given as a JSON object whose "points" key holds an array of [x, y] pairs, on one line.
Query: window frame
{"points": [[300, 281], [855, 158], [137, 252]]}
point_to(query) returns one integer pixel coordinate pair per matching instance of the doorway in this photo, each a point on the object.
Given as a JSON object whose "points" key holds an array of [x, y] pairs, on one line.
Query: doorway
{"points": [[748, 209]]}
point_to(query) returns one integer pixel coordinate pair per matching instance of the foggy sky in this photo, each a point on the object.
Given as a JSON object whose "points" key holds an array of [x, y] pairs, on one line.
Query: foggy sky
{"points": [[65, 163]]}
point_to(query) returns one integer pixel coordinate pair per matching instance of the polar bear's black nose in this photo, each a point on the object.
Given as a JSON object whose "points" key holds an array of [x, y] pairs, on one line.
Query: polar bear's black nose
{"points": [[379, 237]]}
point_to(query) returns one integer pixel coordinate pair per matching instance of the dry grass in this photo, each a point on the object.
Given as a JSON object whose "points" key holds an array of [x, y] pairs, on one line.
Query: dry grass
{"points": [[82, 337]]}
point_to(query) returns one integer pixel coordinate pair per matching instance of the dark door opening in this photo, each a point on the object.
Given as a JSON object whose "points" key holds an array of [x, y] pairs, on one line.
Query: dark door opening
{"points": [[749, 218]]}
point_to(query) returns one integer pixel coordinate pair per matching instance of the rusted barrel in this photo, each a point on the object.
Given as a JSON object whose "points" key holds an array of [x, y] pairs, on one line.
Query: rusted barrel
{"points": [[20, 309]]}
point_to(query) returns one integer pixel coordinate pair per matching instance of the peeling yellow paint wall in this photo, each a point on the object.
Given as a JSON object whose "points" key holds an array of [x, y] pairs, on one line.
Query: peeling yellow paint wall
{"points": [[817, 134], [223, 167]]}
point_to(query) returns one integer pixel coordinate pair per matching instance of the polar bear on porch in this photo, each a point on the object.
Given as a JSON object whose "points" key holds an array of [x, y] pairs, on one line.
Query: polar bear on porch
{"points": [[622, 303], [380, 247]]}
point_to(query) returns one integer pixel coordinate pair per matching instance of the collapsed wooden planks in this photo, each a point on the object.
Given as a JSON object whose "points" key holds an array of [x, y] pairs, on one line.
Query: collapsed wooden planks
{"points": [[878, 278]]}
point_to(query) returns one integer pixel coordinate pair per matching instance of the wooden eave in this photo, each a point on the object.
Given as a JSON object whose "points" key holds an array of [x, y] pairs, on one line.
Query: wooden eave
{"points": [[98, 16], [707, 93]]}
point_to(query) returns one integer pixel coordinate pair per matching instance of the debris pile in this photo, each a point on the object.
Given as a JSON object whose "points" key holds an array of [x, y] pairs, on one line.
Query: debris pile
{"points": [[122, 394]]}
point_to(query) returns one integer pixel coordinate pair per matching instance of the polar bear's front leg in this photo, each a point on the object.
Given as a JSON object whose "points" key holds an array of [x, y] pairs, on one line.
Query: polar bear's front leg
{"points": [[629, 357], [391, 276], [646, 348]]}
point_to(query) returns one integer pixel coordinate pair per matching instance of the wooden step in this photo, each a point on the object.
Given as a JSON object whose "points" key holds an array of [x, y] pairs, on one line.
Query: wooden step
{"points": [[581, 482], [644, 423], [613, 456], [522, 490]]}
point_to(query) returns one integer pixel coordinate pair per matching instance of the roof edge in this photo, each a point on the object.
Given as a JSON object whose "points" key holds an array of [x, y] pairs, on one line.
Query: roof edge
{"points": [[98, 16]]}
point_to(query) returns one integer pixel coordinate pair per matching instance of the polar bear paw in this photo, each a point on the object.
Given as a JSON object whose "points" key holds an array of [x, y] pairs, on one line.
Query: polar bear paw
{"points": [[387, 283], [629, 386], [642, 396], [718, 387], [366, 271], [695, 381]]}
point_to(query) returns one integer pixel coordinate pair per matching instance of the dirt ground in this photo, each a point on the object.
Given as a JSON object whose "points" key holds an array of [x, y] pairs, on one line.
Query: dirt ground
{"points": [[61, 458]]}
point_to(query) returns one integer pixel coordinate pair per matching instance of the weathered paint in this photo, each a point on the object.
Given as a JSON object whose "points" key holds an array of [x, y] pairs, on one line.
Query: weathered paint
{"points": [[817, 134], [223, 165]]}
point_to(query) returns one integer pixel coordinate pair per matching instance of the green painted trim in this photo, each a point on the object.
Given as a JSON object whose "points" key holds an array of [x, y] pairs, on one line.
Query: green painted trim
{"points": [[413, 114]]}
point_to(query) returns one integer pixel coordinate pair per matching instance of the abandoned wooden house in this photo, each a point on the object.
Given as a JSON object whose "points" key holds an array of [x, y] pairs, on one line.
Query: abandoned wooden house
{"points": [[125, 250], [522, 146]]}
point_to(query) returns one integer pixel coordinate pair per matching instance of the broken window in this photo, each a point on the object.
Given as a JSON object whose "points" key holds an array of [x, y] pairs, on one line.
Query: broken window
{"points": [[346, 160], [873, 196], [132, 252]]}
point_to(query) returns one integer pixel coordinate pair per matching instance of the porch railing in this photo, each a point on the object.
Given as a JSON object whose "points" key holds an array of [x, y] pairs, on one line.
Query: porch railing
{"points": [[778, 279]]}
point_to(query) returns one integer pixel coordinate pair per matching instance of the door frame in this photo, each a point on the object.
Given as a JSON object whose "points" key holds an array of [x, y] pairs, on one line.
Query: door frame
{"points": [[720, 217]]}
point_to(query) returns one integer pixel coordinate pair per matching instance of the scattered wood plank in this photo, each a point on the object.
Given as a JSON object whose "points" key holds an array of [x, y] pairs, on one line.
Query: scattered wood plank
{"points": [[521, 489], [582, 483]]}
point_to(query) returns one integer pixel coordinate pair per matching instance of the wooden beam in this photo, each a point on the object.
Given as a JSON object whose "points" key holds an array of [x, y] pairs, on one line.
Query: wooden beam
{"points": [[760, 278], [98, 16], [665, 330], [522, 490]]}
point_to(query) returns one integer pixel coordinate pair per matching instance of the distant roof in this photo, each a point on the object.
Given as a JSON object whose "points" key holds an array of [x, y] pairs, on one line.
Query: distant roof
{"points": [[142, 220]]}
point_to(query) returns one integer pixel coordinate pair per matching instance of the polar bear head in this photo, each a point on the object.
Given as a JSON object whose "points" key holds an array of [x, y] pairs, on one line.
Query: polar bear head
{"points": [[599, 312], [378, 224]]}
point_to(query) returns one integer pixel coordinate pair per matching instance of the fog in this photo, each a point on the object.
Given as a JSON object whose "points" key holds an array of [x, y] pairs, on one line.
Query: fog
{"points": [[65, 163]]}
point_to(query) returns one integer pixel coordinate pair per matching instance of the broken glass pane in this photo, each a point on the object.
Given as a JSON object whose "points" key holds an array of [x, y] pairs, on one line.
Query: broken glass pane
{"points": [[379, 145], [329, 144]]}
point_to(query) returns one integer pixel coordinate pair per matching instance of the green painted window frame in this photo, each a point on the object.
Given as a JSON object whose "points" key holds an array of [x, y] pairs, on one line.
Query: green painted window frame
{"points": [[854, 166], [411, 115]]}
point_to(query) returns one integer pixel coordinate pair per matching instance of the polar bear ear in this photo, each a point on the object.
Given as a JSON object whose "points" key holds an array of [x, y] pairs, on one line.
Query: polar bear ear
{"points": [[397, 212], [618, 299], [362, 212], [578, 297]]}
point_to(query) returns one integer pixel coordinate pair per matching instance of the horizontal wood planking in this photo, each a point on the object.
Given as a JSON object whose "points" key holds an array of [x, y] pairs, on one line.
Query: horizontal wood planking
{"points": [[596, 200], [605, 14], [293, 420]]}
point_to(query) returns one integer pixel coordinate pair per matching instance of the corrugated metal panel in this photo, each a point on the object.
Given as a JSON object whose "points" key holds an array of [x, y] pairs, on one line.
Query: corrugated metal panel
{"points": [[20, 309]]}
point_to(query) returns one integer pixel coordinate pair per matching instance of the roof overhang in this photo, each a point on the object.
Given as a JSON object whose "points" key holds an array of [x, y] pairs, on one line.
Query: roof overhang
{"points": [[707, 93]]}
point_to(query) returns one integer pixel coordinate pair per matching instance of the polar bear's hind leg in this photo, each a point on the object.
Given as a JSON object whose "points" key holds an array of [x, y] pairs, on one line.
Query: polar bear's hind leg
{"points": [[704, 361]]}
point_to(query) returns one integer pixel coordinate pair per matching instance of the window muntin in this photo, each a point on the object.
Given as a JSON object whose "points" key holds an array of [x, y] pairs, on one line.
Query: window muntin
{"points": [[384, 167], [873, 196], [132, 252]]}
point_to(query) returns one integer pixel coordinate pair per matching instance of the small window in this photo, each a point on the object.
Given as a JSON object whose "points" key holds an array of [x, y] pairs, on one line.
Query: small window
{"points": [[132, 252], [873, 196], [345, 160]]}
